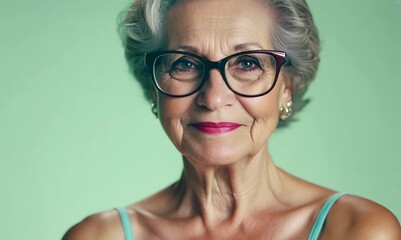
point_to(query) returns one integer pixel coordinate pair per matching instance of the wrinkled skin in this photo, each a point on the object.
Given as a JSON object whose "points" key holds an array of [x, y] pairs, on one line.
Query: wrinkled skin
{"points": [[230, 188]]}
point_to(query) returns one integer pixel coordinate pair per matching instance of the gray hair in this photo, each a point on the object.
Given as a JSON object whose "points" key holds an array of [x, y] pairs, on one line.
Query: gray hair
{"points": [[141, 28]]}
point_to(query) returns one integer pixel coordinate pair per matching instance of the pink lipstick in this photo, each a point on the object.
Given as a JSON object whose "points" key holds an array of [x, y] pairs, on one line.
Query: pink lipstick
{"points": [[216, 127]]}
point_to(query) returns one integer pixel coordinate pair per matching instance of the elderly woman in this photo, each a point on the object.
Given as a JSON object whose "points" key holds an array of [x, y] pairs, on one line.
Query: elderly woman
{"points": [[220, 75]]}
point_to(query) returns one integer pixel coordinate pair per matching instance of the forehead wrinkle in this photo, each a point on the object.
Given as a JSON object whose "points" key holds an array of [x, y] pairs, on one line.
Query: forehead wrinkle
{"points": [[208, 42], [231, 38], [220, 32]]}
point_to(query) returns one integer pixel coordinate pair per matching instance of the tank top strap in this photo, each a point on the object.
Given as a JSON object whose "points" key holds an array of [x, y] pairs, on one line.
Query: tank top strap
{"points": [[126, 223], [321, 217]]}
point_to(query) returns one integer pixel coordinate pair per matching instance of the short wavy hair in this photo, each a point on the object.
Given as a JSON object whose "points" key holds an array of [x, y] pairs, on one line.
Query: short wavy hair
{"points": [[141, 29]]}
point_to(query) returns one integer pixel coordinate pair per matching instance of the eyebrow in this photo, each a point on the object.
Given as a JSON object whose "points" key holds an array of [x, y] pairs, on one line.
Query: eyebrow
{"points": [[237, 48], [188, 49], [247, 46]]}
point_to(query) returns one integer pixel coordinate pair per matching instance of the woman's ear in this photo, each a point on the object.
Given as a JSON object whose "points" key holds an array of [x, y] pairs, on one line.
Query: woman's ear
{"points": [[286, 90], [154, 102], [153, 95]]}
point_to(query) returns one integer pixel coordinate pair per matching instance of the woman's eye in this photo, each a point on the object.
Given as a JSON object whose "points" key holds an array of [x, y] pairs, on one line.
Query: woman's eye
{"points": [[182, 65], [185, 68], [247, 63]]}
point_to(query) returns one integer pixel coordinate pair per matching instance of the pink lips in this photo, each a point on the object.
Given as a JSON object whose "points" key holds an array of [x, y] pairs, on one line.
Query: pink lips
{"points": [[216, 127]]}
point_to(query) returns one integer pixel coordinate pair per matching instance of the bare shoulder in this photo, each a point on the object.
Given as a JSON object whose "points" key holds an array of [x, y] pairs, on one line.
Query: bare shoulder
{"points": [[353, 217], [99, 226]]}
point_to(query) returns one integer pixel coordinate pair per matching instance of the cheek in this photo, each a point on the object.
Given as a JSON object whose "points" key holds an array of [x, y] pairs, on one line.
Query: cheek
{"points": [[265, 114], [264, 107], [172, 108], [173, 115]]}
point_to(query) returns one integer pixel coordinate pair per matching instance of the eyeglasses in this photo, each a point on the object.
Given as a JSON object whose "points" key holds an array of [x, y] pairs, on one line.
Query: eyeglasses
{"points": [[248, 74]]}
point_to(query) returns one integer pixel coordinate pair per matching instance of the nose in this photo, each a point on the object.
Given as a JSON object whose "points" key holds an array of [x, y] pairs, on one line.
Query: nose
{"points": [[215, 94]]}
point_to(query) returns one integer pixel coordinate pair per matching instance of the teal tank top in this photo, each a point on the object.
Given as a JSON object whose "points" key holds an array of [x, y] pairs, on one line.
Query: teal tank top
{"points": [[321, 217], [126, 223], [314, 234]]}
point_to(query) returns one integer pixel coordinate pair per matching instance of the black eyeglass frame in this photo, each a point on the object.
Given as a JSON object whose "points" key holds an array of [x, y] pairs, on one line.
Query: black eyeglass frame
{"points": [[279, 56]]}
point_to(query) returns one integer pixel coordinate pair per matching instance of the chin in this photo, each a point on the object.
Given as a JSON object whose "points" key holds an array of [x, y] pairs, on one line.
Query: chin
{"points": [[215, 155]]}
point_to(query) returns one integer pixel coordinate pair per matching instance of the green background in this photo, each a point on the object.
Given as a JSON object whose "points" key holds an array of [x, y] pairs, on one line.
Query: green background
{"points": [[77, 137]]}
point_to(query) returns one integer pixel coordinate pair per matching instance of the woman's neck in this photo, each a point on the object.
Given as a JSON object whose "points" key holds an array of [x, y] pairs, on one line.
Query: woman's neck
{"points": [[229, 193]]}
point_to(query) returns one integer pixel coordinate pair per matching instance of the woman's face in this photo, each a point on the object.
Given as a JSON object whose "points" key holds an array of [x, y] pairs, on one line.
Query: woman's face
{"points": [[197, 124]]}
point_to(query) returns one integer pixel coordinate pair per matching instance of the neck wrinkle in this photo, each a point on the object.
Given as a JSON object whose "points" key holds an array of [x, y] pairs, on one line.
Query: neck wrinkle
{"points": [[229, 194]]}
